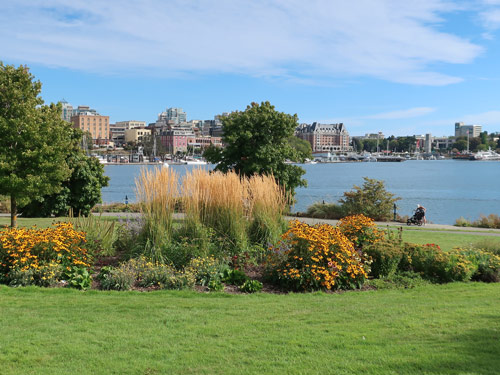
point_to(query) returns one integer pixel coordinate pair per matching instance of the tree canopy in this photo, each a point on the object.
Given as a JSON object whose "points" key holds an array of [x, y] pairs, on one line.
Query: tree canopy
{"points": [[257, 142], [80, 193], [35, 141]]}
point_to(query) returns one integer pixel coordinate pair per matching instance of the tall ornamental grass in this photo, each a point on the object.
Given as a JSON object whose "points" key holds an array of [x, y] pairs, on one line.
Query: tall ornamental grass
{"points": [[219, 202], [267, 204], [157, 191]]}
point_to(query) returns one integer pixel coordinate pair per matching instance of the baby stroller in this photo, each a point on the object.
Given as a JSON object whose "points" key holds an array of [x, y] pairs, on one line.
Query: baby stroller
{"points": [[417, 218]]}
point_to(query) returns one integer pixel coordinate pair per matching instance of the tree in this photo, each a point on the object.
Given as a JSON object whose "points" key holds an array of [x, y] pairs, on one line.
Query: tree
{"points": [[257, 142], [371, 200], [80, 193], [303, 148], [34, 140]]}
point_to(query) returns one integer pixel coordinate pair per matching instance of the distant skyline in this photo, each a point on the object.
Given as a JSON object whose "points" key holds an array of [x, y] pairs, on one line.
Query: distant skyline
{"points": [[400, 67]]}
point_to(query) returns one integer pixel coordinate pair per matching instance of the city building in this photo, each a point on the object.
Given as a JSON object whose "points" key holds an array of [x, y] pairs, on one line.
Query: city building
{"points": [[67, 110], [172, 116], [136, 135], [93, 123], [176, 139], [461, 130], [130, 124], [325, 137]]}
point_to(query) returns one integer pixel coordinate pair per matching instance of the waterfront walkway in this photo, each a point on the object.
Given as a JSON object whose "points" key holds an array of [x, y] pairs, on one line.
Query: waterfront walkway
{"points": [[312, 221]]}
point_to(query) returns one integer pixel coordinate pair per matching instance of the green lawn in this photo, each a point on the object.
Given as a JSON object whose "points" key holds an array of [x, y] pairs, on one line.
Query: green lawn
{"points": [[43, 222], [446, 239], [448, 329]]}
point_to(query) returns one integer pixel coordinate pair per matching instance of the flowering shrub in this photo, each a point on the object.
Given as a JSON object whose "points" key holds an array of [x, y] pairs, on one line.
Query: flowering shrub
{"points": [[40, 254], [316, 257], [361, 230], [487, 264], [208, 271], [435, 265], [142, 272], [385, 255]]}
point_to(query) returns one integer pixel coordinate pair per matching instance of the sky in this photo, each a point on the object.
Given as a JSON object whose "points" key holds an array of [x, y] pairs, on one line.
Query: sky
{"points": [[399, 67]]}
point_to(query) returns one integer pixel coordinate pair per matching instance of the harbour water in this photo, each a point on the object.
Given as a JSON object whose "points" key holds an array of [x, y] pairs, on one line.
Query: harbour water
{"points": [[448, 189]]}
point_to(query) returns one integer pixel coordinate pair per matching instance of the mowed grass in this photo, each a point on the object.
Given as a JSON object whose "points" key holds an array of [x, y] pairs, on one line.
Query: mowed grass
{"points": [[447, 329], [447, 239], [44, 222]]}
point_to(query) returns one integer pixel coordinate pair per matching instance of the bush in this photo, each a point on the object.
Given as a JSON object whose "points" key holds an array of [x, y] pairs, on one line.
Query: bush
{"points": [[435, 265], [316, 257], [77, 277], [371, 200], [251, 286], [385, 256], [234, 277], [144, 273], [208, 271], [331, 211], [361, 230], [490, 221], [46, 275], [24, 249], [487, 264], [121, 278]]}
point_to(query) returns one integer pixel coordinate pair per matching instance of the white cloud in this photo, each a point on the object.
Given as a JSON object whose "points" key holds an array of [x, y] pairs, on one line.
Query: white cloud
{"points": [[402, 114], [393, 40]]}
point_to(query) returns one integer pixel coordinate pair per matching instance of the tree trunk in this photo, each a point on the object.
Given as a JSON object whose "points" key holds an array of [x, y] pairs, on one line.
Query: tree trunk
{"points": [[13, 212]]}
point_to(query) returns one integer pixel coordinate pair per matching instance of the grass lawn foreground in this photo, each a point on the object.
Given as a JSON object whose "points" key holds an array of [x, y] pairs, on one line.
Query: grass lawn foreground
{"points": [[436, 329]]}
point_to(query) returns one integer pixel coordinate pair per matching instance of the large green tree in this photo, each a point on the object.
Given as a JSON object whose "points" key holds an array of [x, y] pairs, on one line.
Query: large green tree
{"points": [[80, 193], [257, 142], [34, 140]]}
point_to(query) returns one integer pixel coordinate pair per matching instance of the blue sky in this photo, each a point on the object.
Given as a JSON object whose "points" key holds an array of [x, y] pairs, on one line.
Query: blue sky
{"points": [[400, 67]]}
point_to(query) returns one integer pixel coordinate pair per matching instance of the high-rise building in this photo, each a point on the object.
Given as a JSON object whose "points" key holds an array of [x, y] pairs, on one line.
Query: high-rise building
{"points": [[174, 116], [461, 130], [67, 110]]}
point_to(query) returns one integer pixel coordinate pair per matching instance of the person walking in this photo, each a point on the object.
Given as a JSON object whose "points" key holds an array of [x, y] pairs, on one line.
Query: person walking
{"points": [[421, 210]]}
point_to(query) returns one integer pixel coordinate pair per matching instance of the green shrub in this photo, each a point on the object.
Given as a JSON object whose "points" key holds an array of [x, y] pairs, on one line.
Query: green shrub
{"points": [[251, 286], [46, 275], [234, 277], [144, 273], [435, 265], [385, 256], [121, 278], [371, 200], [489, 245], [322, 210], [400, 280], [490, 221], [77, 277], [462, 222], [487, 264], [208, 271]]}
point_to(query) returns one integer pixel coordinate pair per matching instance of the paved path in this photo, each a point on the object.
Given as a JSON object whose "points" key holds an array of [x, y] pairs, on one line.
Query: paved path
{"points": [[311, 221]]}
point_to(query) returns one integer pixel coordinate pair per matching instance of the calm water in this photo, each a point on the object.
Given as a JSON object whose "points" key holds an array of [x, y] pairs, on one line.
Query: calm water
{"points": [[447, 188]]}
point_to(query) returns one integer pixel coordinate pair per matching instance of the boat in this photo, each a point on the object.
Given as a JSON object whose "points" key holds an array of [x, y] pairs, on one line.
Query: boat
{"points": [[193, 161], [485, 155]]}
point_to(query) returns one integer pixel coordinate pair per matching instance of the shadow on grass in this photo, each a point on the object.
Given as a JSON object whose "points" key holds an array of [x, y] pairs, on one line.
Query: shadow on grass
{"points": [[472, 352]]}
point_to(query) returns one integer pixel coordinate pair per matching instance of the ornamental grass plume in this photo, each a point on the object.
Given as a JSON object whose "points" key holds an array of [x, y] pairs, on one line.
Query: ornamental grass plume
{"points": [[218, 201], [267, 203], [157, 191]]}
